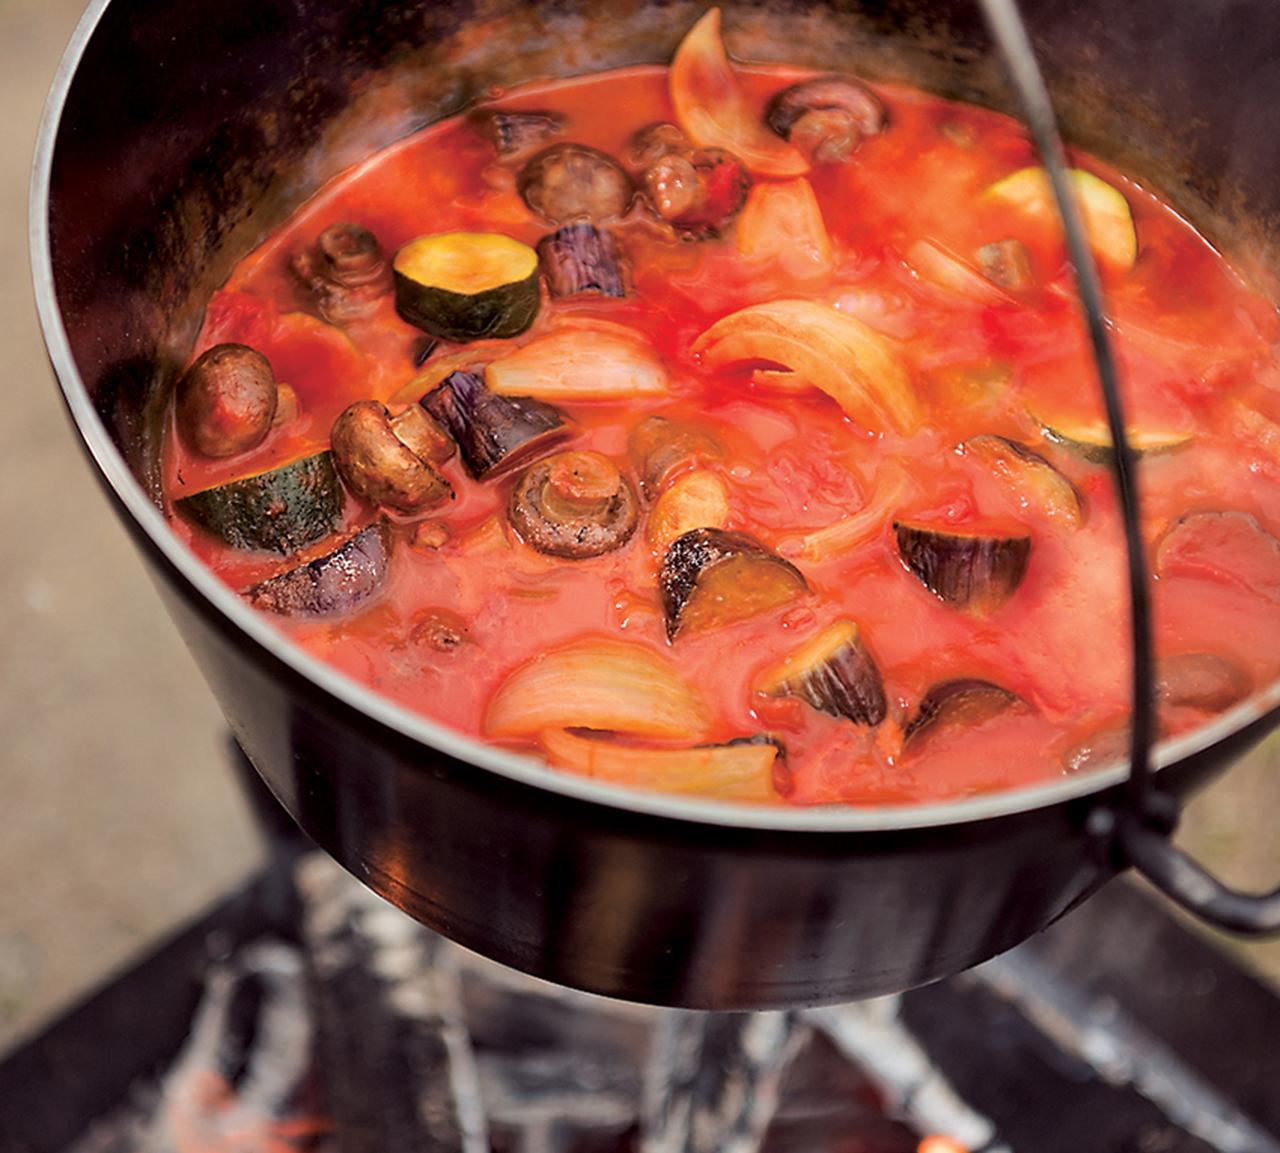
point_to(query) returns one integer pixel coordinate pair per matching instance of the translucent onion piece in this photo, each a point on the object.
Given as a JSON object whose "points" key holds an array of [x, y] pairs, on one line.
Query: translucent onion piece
{"points": [[696, 500], [854, 365], [938, 266], [712, 111], [597, 684], [782, 225], [741, 772], [581, 364]]}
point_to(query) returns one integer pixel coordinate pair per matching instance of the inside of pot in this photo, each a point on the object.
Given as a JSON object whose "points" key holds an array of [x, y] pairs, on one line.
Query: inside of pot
{"points": [[140, 245]]}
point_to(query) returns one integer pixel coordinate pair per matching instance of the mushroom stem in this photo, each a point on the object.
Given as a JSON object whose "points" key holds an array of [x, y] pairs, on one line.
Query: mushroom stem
{"points": [[580, 486]]}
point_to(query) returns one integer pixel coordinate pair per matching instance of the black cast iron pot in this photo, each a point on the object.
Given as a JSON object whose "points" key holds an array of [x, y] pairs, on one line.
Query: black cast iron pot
{"points": [[178, 135]]}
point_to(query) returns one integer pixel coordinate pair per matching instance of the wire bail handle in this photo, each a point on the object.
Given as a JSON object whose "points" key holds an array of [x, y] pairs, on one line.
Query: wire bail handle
{"points": [[1140, 832]]}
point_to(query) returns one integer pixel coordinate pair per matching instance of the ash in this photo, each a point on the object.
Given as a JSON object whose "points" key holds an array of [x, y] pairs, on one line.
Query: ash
{"points": [[374, 1035]]}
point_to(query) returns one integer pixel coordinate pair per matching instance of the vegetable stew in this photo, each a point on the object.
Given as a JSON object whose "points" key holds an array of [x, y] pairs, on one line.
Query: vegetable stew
{"points": [[732, 431]]}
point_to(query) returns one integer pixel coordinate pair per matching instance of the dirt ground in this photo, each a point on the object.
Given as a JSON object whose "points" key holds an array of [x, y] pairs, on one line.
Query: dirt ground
{"points": [[119, 818]]}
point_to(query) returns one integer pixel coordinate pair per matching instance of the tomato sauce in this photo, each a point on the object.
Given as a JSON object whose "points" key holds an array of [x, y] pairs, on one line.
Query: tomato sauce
{"points": [[1194, 343]]}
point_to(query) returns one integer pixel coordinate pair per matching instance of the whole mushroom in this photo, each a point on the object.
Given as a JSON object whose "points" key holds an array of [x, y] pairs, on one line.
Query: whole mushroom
{"points": [[574, 505], [346, 272], [227, 401], [386, 461], [574, 182], [828, 117], [696, 190]]}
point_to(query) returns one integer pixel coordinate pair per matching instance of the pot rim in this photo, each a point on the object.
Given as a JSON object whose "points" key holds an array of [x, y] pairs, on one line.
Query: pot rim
{"points": [[526, 770]]}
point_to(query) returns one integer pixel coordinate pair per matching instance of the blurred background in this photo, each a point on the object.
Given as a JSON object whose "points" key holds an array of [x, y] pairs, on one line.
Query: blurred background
{"points": [[121, 819]]}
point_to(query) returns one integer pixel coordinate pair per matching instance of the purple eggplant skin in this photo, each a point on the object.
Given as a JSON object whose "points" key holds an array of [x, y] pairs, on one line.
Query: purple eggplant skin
{"points": [[514, 133], [835, 674], [581, 259], [846, 685], [689, 568], [494, 433], [963, 703], [335, 583], [968, 571]]}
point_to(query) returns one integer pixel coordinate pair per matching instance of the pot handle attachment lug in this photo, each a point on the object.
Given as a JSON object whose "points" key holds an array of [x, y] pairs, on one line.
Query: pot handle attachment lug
{"points": [[1139, 834], [1186, 882]]}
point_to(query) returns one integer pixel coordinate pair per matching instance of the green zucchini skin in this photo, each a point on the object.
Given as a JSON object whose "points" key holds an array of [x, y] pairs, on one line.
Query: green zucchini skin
{"points": [[281, 511], [494, 314]]}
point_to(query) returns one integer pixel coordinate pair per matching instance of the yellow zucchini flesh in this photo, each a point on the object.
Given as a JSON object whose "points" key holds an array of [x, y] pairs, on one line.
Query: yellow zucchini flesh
{"points": [[464, 286], [1107, 217]]}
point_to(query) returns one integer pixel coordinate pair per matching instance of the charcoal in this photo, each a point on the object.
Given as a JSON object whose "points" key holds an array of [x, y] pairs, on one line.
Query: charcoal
{"points": [[399, 1070], [714, 1080], [246, 1065], [871, 1034]]}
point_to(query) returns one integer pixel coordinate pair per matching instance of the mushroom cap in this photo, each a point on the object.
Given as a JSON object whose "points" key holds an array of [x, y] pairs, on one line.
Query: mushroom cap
{"points": [[556, 527], [226, 401]]}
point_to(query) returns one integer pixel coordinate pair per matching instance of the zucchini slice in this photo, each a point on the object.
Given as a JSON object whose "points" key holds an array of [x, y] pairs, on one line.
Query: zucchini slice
{"points": [[1090, 438], [281, 511], [464, 286], [1107, 217]]}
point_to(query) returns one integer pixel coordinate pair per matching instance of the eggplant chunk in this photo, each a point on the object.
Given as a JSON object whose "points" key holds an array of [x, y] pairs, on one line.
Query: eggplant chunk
{"points": [[827, 117], [659, 447], [1225, 546], [574, 505], [1201, 681], [514, 133], [1104, 746], [970, 571], [579, 259], [834, 673], [334, 583], [494, 433], [380, 466], [712, 577], [568, 182], [1030, 477], [346, 272], [226, 401], [954, 705]]}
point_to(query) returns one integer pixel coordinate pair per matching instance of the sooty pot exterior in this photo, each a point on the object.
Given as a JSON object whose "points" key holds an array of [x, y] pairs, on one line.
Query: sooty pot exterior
{"points": [[177, 137]]}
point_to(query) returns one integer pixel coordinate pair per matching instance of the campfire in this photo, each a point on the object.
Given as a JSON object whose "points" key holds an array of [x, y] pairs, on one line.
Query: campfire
{"points": [[363, 1032]]}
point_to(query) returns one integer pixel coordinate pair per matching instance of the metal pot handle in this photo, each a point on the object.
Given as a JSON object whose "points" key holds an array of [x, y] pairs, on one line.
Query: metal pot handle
{"points": [[1140, 833]]}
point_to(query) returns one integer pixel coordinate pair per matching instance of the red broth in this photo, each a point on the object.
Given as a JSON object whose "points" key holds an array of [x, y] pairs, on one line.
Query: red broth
{"points": [[1196, 348]]}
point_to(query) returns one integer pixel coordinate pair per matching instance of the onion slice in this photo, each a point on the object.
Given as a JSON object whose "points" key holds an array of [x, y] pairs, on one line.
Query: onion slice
{"points": [[573, 364], [739, 772], [712, 110], [597, 684], [854, 365]]}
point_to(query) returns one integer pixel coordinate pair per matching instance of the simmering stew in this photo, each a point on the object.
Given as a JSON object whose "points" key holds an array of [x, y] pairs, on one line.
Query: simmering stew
{"points": [[732, 431]]}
